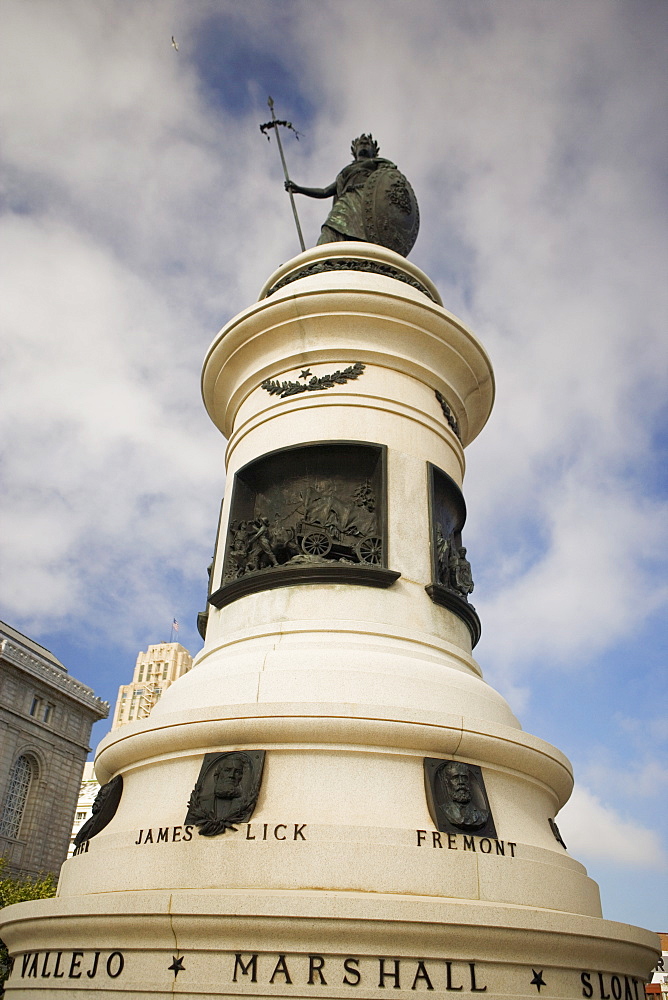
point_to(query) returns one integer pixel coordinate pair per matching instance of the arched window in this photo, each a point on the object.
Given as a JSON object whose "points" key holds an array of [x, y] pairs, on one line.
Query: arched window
{"points": [[15, 799]]}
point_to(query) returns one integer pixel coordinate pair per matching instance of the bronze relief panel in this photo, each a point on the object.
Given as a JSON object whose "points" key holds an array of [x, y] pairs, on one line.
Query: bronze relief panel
{"points": [[457, 798], [226, 791], [452, 581], [104, 809], [312, 513]]}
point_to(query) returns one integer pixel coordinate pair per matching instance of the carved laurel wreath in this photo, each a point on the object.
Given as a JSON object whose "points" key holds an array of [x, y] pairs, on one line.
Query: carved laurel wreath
{"points": [[206, 820], [351, 264], [314, 384]]}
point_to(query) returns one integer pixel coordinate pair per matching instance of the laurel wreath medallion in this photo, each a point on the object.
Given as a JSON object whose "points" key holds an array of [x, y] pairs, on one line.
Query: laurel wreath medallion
{"points": [[206, 820]]}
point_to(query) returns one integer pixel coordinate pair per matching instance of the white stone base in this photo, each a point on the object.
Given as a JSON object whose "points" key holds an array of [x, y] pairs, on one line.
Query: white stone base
{"points": [[339, 885], [317, 944]]}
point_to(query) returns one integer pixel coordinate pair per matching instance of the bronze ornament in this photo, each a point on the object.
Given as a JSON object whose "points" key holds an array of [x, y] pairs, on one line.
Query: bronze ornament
{"points": [[226, 791], [457, 798], [452, 580], [315, 383], [308, 514], [104, 809], [351, 264], [448, 414]]}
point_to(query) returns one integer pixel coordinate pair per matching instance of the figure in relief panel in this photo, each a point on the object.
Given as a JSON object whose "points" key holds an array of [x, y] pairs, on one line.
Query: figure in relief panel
{"points": [[315, 524], [460, 572]]}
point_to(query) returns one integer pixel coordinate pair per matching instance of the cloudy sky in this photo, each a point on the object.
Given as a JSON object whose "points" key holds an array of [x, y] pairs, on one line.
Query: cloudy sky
{"points": [[142, 208]]}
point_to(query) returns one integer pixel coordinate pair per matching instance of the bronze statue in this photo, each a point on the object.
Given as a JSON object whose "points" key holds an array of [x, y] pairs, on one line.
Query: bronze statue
{"points": [[373, 201]]}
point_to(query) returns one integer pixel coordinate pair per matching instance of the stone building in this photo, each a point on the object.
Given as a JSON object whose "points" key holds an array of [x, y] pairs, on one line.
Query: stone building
{"points": [[658, 987], [90, 786], [45, 721], [154, 671]]}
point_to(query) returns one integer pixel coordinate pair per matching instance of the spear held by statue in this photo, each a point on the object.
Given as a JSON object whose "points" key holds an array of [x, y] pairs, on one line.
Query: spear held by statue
{"points": [[275, 123]]}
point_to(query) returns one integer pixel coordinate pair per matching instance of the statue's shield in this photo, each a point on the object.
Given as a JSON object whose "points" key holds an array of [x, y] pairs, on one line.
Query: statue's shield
{"points": [[391, 214]]}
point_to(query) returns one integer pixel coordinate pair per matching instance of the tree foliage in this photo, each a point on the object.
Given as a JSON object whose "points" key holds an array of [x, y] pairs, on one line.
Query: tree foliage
{"points": [[19, 889]]}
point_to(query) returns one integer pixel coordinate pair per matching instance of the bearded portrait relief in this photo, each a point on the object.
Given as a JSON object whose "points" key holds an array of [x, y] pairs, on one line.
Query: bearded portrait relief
{"points": [[226, 791], [457, 797]]}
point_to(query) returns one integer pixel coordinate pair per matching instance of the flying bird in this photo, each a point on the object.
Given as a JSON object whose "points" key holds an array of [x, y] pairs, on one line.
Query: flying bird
{"points": [[174, 43]]}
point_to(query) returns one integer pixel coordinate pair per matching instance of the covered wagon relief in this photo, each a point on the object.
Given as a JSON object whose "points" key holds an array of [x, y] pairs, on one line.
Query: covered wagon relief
{"points": [[315, 513]]}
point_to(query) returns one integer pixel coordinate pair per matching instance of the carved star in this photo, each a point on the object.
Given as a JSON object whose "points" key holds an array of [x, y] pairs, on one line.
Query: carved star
{"points": [[537, 980], [176, 966], [306, 373]]}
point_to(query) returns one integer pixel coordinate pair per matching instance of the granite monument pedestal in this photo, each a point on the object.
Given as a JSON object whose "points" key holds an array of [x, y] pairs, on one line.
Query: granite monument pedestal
{"points": [[333, 802]]}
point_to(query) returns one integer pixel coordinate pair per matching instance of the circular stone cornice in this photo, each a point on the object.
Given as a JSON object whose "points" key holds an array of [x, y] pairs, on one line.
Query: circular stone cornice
{"points": [[351, 256], [350, 316], [322, 726], [513, 935], [351, 264]]}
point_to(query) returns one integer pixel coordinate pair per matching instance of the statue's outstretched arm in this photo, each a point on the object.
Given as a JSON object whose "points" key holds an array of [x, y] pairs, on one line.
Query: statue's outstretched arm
{"points": [[327, 192]]}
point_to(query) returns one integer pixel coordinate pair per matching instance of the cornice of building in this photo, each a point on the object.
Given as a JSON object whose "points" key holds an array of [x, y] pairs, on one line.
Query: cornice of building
{"points": [[37, 730], [55, 678]]}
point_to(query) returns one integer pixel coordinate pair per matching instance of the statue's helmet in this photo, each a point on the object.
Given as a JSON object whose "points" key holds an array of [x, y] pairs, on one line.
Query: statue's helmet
{"points": [[364, 140]]}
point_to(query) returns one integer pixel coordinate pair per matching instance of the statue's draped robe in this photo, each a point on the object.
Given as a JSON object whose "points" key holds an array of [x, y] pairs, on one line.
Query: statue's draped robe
{"points": [[346, 218]]}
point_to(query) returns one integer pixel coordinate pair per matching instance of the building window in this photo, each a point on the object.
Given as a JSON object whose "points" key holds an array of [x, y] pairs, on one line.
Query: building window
{"points": [[140, 676], [35, 707], [80, 816], [48, 712], [15, 800], [164, 673]]}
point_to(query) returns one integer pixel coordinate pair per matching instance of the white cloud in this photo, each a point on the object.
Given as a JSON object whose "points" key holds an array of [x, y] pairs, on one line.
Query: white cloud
{"points": [[587, 583], [633, 779], [595, 831], [144, 215], [531, 144], [632, 769], [126, 243], [648, 732]]}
